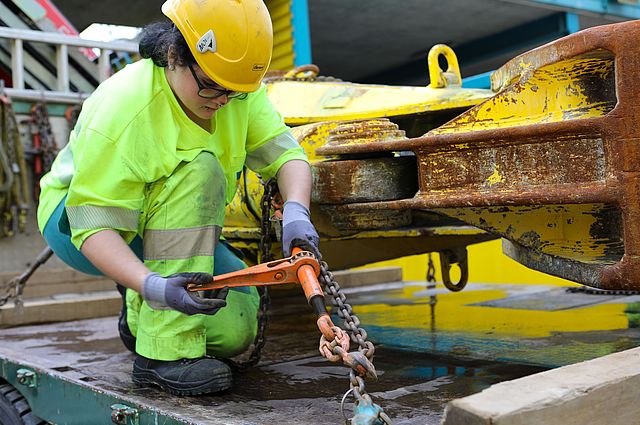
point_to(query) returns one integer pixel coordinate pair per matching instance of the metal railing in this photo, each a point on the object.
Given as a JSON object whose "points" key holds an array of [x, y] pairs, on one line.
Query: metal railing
{"points": [[61, 42]]}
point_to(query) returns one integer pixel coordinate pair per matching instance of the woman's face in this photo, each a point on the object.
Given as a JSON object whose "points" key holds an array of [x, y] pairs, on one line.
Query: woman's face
{"points": [[186, 82]]}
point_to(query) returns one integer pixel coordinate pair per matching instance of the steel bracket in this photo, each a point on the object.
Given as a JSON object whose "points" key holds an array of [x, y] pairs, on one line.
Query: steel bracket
{"points": [[122, 414], [27, 377]]}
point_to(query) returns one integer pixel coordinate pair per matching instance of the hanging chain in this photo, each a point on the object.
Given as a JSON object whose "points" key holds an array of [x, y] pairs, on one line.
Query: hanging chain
{"points": [[49, 146], [266, 223], [15, 205], [44, 148], [270, 188], [431, 273]]}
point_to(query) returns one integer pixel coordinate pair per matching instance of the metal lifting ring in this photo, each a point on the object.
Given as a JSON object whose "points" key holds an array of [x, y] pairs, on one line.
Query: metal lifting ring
{"points": [[344, 397], [437, 77]]}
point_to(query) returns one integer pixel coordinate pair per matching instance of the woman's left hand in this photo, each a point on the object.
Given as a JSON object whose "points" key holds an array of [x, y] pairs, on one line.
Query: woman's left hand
{"points": [[297, 229]]}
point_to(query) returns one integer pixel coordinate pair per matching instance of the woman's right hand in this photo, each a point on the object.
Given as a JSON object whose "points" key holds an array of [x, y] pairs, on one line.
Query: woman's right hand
{"points": [[171, 292]]}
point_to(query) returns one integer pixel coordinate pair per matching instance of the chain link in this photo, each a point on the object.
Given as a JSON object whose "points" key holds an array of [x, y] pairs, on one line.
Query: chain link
{"points": [[345, 311]]}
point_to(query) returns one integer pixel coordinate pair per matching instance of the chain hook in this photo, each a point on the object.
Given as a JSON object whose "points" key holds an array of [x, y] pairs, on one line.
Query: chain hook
{"points": [[366, 412]]}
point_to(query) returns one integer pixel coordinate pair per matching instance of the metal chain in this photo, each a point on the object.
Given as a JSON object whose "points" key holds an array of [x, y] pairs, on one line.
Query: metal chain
{"points": [[266, 224], [270, 188], [46, 150], [431, 273], [345, 312], [49, 146], [358, 335], [15, 206]]}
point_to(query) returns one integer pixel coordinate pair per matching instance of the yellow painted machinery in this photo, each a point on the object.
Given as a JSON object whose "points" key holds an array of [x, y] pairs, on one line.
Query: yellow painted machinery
{"points": [[548, 160]]}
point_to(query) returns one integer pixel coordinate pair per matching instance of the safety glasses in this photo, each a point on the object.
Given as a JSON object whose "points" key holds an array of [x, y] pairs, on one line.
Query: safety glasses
{"points": [[212, 93]]}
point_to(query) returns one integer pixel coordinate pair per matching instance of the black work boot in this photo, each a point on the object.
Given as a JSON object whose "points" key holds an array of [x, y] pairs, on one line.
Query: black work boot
{"points": [[126, 336], [204, 375]]}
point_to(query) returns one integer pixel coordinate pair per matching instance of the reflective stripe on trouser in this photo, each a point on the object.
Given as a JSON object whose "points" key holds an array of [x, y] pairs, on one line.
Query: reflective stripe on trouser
{"points": [[183, 215]]}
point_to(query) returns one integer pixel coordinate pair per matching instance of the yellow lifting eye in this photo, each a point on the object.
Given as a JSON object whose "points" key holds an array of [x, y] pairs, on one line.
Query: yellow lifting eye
{"points": [[439, 78]]}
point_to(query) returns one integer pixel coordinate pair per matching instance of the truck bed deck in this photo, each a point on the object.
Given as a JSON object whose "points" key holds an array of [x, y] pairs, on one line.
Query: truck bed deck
{"points": [[83, 369]]}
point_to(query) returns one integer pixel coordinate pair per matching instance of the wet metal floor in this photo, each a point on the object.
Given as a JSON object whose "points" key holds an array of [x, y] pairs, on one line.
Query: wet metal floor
{"points": [[431, 346]]}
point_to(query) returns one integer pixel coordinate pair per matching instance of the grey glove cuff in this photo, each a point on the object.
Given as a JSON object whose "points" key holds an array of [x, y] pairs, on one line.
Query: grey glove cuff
{"points": [[294, 211], [153, 289]]}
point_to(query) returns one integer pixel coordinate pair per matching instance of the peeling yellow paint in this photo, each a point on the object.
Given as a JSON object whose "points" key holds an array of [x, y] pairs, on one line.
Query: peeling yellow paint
{"points": [[495, 178], [575, 88]]}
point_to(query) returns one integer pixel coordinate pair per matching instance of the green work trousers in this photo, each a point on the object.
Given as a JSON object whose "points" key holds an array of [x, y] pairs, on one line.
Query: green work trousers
{"points": [[182, 219]]}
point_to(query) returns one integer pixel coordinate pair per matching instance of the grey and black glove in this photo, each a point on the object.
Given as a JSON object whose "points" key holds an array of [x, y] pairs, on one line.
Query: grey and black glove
{"points": [[297, 230], [170, 292]]}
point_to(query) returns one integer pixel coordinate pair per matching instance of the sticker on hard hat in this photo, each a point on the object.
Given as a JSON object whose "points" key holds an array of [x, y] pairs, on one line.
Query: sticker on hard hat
{"points": [[207, 43], [258, 66]]}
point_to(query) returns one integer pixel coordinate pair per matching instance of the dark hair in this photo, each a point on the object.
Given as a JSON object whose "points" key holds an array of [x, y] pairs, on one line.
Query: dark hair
{"points": [[157, 38]]}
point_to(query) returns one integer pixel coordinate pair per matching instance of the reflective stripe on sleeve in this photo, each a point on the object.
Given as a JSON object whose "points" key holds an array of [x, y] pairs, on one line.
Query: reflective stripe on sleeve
{"points": [[177, 244], [268, 153], [96, 217]]}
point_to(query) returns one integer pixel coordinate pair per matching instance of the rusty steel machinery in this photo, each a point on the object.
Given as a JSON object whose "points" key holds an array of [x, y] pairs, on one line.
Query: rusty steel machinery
{"points": [[550, 163], [548, 160]]}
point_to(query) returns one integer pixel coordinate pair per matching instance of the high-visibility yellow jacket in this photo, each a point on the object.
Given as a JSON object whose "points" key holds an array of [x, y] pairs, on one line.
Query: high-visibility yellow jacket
{"points": [[132, 132]]}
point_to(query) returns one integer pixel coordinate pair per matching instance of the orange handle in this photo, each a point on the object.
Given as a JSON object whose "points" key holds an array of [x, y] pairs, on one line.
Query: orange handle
{"points": [[285, 270]]}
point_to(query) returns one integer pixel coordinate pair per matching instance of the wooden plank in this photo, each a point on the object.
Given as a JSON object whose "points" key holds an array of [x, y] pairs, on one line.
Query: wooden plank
{"points": [[371, 276], [96, 285], [49, 282], [61, 308], [600, 391], [51, 276]]}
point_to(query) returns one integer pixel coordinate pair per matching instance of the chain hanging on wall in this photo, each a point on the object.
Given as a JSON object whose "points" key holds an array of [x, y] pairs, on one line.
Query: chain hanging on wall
{"points": [[44, 148], [14, 193]]}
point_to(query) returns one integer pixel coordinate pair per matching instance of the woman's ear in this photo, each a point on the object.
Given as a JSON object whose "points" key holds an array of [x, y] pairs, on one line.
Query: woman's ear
{"points": [[171, 58]]}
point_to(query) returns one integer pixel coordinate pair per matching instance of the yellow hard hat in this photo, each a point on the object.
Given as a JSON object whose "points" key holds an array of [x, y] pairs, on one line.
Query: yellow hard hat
{"points": [[231, 40]]}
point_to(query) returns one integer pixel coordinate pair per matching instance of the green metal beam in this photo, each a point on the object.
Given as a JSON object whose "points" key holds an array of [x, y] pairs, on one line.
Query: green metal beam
{"points": [[65, 401]]}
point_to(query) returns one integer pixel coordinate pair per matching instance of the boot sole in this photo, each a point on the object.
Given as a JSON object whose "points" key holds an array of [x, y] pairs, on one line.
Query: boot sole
{"points": [[218, 383]]}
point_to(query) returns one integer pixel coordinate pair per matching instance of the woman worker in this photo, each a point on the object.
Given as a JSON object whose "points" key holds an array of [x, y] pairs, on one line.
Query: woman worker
{"points": [[139, 192]]}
